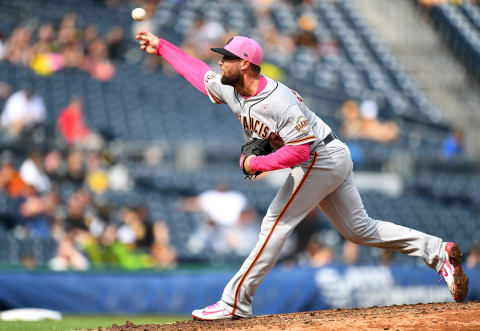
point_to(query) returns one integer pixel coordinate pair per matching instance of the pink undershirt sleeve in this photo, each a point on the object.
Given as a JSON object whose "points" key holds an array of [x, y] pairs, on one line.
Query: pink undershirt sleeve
{"points": [[192, 69], [286, 157]]}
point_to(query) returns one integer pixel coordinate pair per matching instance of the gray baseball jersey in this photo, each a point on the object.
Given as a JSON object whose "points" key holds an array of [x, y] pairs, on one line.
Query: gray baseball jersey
{"points": [[276, 109], [325, 181]]}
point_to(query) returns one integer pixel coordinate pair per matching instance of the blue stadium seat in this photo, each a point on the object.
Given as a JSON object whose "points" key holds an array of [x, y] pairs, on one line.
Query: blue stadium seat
{"points": [[142, 106]]}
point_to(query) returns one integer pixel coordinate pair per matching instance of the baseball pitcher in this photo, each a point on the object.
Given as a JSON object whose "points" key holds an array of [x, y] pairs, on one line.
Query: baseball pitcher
{"points": [[321, 171]]}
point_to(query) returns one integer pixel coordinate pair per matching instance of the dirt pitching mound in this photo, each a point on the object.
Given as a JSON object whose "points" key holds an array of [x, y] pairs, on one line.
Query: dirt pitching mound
{"points": [[433, 316]]}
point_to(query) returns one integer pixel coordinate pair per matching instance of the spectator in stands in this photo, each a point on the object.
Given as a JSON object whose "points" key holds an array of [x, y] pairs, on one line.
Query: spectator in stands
{"points": [[22, 112], [136, 243], [77, 219], [69, 42], [473, 258], [164, 255], [45, 59], [351, 121], [137, 228], [68, 256], [350, 252], [12, 185], [120, 253], [305, 36], [89, 35], [362, 123], [103, 252], [316, 254], [97, 217], [18, 47], [454, 144], [97, 177], [220, 205], [72, 53], [221, 208], [97, 63], [54, 165], [351, 130], [101, 217], [75, 168], [373, 129], [119, 178], [116, 44], [123, 246], [10, 180], [69, 20], [71, 169], [35, 211], [71, 123], [46, 40], [33, 173], [82, 227]]}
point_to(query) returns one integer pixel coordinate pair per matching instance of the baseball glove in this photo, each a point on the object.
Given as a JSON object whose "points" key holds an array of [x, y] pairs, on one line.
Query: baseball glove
{"points": [[254, 147]]}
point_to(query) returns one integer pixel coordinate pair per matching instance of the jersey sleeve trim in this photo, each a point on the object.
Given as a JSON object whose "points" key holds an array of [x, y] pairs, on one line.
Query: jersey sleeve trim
{"points": [[213, 98], [302, 140]]}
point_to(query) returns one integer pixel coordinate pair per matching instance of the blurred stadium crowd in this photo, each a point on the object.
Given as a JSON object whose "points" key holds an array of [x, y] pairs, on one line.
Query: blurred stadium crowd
{"points": [[108, 160]]}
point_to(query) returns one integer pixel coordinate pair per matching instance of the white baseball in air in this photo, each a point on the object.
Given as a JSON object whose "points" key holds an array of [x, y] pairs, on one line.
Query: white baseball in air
{"points": [[138, 14]]}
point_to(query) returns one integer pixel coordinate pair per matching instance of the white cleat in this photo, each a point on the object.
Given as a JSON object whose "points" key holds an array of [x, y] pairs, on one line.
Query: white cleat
{"points": [[213, 312], [453, 273]]}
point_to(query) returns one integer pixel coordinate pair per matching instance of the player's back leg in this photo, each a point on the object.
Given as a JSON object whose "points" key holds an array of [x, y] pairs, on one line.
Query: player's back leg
{"points": [[345, 210]]}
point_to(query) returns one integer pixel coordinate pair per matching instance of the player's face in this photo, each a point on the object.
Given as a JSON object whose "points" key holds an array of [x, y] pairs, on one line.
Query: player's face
{"points": [[230, 67]]}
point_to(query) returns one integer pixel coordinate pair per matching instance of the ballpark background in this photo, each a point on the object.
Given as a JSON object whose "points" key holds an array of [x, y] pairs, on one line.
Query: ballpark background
{"points": [[120, 191]]}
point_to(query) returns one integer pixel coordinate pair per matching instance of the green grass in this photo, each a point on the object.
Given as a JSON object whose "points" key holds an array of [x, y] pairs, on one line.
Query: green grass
{"points": [[87, 322]]}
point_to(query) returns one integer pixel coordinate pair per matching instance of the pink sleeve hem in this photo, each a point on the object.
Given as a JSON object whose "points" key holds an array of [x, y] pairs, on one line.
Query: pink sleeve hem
{"points": [[286, 157]]}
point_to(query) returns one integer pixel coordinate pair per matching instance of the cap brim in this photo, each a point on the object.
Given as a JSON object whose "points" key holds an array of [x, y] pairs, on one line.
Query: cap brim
{"points": [[223, 51]]}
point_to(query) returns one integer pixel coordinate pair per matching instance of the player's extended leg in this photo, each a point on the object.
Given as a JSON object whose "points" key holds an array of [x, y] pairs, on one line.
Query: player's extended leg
{"points": [[345, 210], [300, 193], [292, 203]]}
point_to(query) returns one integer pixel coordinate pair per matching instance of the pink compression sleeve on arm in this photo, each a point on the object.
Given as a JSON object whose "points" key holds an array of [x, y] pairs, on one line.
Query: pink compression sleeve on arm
{"points": [[192, 69], [285, 157]]}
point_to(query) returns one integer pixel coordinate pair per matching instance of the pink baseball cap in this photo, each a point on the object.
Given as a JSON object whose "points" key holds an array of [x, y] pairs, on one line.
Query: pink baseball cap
{"points": [[242, 47]]}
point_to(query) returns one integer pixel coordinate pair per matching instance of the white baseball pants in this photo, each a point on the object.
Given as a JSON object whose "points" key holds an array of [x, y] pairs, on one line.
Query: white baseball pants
{"points": [[327, 183]]}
